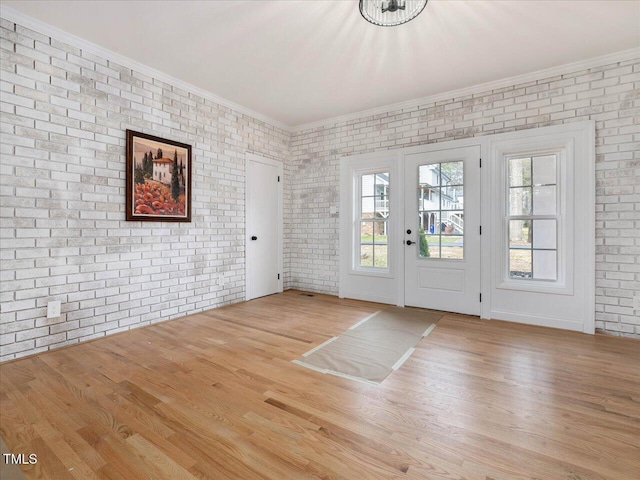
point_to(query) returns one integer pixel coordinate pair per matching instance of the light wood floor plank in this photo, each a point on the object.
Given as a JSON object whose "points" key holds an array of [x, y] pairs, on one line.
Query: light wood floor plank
{"points": [[215, 396]]}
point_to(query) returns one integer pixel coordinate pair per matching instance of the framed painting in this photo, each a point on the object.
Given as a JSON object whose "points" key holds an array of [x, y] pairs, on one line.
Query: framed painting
{"points": [[158, 179]]}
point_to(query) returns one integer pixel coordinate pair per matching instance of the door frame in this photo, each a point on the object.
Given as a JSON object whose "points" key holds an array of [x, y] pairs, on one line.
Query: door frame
{"points": [[469, 237], [253, 157], [586, 183]]}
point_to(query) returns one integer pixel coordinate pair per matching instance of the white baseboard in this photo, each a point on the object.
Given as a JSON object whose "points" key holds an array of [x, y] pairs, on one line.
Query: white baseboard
{"points": [[551, 322], [368, 297]]}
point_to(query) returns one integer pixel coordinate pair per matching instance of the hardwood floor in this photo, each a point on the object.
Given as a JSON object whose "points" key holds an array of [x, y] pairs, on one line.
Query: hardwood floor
{"points": [[215, 395]]}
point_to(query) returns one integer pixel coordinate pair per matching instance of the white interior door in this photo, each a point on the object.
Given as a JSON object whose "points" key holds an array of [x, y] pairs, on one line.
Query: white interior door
{"points": [[263, 226], [442, 230]]}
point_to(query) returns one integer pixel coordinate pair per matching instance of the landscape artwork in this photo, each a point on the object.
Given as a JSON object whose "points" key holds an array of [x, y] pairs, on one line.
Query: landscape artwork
{"points": [[158, 179]]}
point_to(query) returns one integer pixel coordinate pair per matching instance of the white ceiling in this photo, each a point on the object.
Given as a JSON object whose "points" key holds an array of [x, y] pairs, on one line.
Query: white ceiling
{"points": [[308, 60]]}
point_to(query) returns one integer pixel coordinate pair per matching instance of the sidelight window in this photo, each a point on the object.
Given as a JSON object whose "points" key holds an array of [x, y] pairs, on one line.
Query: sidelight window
{"points": [[374, 220], [532, 217]]}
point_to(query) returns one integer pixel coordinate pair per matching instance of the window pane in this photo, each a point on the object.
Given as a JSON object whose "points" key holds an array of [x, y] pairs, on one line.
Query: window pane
{"points": [[452, 223], [544, 234], [382, 206], [452, 198], [519, 234], [380, 233], [544, 265], [432, 247], [366, 233], [520, 263], [368, 205], [519, 172], [430, 222], [520, 201], [452, 173], [452, 247], [544, 170], [544, 200], [366, 255], [367, 185], [429, 175], [380, 256], [382, 184]]}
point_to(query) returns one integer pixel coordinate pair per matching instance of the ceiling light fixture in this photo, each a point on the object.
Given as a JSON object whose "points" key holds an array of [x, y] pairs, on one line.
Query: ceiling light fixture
{"points": [[388, 13]]}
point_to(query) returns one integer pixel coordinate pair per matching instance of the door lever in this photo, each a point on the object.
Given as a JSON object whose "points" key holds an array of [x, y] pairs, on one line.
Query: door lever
{"points": [[409, 242]]}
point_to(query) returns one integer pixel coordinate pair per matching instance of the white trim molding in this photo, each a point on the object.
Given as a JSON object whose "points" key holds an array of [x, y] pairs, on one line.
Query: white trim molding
{"points": [[565, 69], [15, 16], [568, 302]]}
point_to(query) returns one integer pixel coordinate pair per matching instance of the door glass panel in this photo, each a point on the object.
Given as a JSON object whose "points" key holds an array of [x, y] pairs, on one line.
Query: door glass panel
{"points": [[452, 198], [429, 222], [452, 173], [452, 223], [430, 175], [430, 246], [452, 247], [441, 210]]}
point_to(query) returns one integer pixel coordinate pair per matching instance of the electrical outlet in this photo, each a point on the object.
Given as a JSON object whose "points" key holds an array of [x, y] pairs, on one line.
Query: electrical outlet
{"points": [[53, 309], [636, 303]]}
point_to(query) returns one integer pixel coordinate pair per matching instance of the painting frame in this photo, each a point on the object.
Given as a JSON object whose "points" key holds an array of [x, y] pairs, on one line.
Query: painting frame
{"points": [[163, 205]]}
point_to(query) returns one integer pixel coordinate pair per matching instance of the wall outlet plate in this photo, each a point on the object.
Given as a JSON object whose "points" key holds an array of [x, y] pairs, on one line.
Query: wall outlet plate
{"points": [[636, 303], [53, 309]]}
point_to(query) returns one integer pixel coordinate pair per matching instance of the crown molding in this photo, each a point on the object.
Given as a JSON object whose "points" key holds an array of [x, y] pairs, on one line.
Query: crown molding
{"points": [[564, 69], [27, 21], [15, 16]]}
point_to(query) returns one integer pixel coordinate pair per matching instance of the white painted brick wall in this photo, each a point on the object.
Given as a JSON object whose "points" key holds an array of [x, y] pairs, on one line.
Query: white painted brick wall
{"points": [[62, 181], [610, 95], [64, 237]]}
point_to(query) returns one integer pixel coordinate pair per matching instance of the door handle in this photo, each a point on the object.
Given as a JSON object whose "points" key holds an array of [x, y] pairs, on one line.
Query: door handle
{"points": [[254, 238], [409, 242]]}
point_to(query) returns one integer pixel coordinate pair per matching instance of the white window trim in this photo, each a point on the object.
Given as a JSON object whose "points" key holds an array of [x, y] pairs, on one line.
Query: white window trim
{"points": [[356, 268], [540, 145], [580, 135]]}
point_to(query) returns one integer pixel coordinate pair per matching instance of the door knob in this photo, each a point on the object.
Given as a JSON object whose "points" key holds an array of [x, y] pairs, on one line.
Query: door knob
{"points": [[254, 238], [408, 232], [409, 242]]}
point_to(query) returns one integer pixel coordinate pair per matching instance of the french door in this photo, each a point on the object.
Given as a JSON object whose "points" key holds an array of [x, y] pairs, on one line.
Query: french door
{"points": [[442, 230]]}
